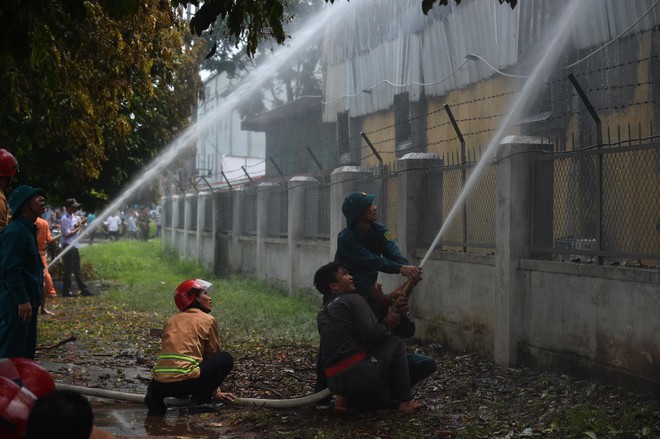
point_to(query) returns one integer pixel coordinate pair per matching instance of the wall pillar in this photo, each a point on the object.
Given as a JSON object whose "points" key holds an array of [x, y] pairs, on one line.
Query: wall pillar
{"points": [[176, 220], [164, 212], [187, 222], [513, 222], [411, 198]]}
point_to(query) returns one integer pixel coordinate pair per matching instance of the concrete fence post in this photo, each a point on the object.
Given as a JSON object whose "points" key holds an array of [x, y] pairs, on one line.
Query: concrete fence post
{"points": [[187, 222], [177, 220], [411, 198], [343, 181], [296, 211], [202, 198], [512, 240], [165, 211]]}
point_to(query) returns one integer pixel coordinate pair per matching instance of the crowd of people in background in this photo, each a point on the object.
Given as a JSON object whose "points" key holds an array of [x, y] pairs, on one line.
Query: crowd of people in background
{"points": [[132, 222]]}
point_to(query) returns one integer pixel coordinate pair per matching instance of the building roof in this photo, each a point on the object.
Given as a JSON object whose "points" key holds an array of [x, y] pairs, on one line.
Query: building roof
{"points": [[301, 106]]}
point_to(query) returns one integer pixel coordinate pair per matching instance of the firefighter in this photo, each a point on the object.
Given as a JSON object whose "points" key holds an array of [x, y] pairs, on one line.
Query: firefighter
{"points": [[360, 356], [8, 169], [367, 247], [191, 363]]}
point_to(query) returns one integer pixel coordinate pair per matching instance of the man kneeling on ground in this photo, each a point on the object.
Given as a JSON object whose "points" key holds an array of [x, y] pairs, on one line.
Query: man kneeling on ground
{"points": [[190, 363], [360, 356]]}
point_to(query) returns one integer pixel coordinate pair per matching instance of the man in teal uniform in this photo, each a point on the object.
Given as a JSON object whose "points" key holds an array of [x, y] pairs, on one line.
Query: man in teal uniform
{"points": [[21, 275], [366, 246]]}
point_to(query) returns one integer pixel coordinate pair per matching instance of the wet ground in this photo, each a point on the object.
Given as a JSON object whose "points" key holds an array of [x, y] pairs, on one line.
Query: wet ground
{"points": [[468, 397], [131, 420]]}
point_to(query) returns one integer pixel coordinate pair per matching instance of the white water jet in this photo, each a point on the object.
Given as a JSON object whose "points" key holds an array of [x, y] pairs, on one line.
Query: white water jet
{"points": [[572, 13], [307, 33]]}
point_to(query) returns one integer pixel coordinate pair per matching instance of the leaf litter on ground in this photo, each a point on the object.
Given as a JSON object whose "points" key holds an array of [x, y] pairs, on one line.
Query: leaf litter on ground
{"points": [[468, 397]]}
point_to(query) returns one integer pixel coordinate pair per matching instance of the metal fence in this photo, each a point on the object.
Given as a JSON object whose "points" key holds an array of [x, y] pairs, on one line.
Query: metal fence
{"points": [[472, 224], [225, 211], [278, 210], [598, 204], [317, 211], [251, 212], [182, 211], [166, 214], [193, 213]]}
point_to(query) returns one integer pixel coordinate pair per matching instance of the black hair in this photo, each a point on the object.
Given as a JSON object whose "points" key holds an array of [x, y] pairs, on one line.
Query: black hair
{"points": [[325, 275], [62, 414]]}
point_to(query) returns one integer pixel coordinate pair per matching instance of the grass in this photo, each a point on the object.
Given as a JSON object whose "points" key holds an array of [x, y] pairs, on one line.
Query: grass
{"points": [[144, 279]]}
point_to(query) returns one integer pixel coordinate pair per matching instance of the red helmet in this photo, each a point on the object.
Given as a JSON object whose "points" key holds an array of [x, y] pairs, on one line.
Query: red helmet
{"points": [[29, 374], [185, 293], [8, 164], [15, 406]]}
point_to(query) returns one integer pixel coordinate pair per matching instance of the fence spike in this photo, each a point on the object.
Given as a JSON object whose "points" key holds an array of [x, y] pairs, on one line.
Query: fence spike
{"points": [[609, 138], [629, 135]]}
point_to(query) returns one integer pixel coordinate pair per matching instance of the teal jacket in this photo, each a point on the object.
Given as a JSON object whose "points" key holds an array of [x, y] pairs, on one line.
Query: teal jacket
{"points": [[365, 254], [21, 269]]}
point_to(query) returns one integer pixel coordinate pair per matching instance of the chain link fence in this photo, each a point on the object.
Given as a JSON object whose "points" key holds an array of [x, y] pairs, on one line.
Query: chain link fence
{"points": [[599, 204]]}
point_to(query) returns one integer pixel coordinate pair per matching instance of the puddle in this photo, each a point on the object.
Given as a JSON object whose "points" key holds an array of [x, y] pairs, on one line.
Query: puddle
{"points": [[130, 420]]}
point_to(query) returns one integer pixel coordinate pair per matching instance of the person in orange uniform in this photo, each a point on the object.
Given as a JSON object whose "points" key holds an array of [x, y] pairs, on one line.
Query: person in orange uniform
{"points": [[43, 238], [191, 362]]}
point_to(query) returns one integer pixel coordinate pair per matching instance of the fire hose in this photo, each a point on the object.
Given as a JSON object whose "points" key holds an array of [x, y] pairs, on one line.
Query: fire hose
{"points": [[174, 402]]}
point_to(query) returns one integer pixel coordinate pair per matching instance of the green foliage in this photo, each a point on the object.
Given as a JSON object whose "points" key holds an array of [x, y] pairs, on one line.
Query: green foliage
{"points": [[246, 20], [145, 279], [95, 95]]}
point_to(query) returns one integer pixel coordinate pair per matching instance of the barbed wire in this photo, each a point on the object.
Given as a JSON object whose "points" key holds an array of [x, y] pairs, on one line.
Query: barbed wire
{"points": [[294, 160]]}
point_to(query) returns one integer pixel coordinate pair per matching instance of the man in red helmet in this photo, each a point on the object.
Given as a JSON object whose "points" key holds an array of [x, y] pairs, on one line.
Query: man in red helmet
{"points": [[191, 362], [8, 169]]}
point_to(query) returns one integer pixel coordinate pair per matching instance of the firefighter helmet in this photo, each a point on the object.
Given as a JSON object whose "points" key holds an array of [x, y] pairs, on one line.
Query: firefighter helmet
{"points": [[15, 406], [185, 293], [8, 164], [29, 374]]}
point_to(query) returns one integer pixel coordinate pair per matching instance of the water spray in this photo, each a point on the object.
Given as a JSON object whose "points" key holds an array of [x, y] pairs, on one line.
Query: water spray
{"points": [[560, 37], [540, 72]]}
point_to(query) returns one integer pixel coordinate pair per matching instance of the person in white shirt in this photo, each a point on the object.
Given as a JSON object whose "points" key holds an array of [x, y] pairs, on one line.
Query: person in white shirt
{"points": [[131, 225], [70, 227], [114, 223]]}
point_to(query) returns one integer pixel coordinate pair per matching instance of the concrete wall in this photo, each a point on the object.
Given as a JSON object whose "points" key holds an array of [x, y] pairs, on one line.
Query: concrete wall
{"points": [[600, 321], [456, 307]]}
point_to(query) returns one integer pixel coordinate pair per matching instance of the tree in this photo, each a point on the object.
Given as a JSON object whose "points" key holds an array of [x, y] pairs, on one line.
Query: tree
{"points": [[300, 77], [92, 98]]}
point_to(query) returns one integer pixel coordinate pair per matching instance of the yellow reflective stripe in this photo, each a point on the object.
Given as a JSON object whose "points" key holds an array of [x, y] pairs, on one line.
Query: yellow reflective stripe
{"points": [[172, 370], [179, 357]]}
